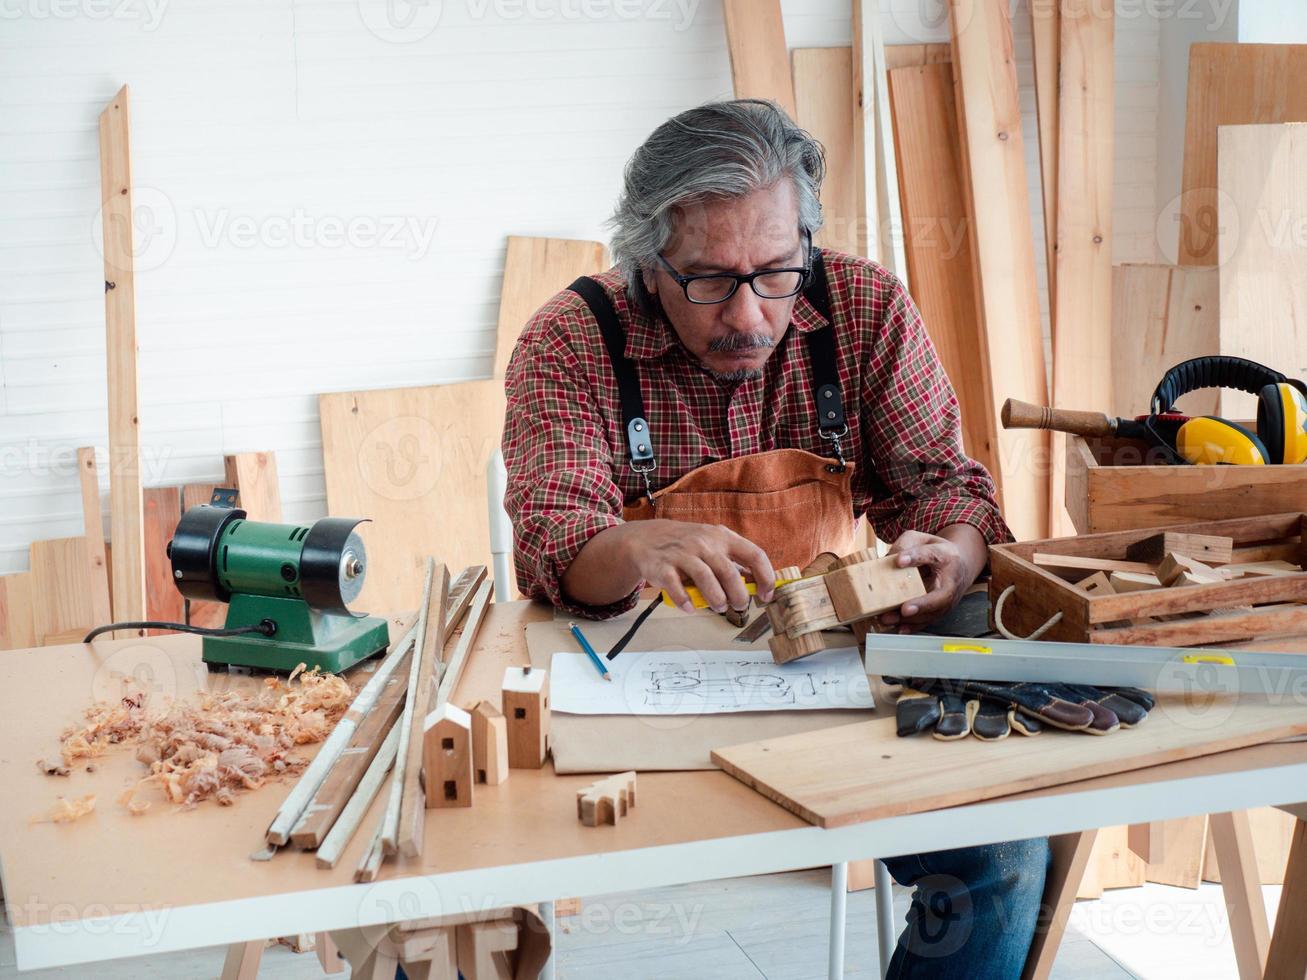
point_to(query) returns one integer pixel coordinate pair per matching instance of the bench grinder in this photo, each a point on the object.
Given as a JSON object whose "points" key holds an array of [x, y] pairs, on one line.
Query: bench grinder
{"points": [[289, 585]]}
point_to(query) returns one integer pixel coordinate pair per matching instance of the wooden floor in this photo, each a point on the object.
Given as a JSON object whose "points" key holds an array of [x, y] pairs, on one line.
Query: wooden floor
{"points": [[775, 927]]}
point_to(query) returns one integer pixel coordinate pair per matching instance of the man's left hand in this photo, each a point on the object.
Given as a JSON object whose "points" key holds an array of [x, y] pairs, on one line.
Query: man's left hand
{"points": [[949, 563]]}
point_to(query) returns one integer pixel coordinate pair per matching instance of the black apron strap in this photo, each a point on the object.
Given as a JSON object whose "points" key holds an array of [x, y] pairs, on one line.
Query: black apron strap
{"points": [[639, 444], [831, 423]]}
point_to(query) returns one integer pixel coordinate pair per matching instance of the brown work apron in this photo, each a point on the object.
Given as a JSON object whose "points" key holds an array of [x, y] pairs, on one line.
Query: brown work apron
{"points": [[792, 503]]}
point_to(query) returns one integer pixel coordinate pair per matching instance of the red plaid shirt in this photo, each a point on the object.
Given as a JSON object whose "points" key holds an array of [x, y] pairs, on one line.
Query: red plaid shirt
{"points": [[565, 448]]}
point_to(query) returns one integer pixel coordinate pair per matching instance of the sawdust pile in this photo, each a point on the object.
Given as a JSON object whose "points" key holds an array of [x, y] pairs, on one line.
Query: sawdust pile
{"points": [[218, 745]]}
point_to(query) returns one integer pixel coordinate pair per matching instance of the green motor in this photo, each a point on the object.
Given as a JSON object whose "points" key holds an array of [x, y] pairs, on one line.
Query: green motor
{"points": [[298, 579]]}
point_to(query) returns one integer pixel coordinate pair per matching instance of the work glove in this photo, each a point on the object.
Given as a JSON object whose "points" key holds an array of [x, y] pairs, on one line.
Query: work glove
{"points": [[992, 710]]}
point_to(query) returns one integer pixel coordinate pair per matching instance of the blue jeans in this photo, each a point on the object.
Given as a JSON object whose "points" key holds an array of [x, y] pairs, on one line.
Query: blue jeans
{"points": [[974, 910]]}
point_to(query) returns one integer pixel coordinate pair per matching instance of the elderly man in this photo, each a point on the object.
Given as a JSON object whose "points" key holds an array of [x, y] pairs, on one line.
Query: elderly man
{"points": [[731, 398]]}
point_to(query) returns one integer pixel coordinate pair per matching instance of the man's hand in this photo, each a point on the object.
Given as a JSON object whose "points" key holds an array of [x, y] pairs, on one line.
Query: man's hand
{"points": [[666, 554], [949, 563]]}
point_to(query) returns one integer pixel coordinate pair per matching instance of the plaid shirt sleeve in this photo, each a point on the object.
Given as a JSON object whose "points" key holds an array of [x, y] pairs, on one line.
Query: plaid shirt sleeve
{"points": [[560, 487], [913, 435]]}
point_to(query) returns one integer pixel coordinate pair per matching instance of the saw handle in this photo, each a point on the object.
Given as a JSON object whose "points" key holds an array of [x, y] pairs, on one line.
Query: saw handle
{"points": [[1023, 415]]}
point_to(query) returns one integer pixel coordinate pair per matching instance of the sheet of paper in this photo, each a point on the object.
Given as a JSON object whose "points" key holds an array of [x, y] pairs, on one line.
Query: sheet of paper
{"points": [[699, 682]]}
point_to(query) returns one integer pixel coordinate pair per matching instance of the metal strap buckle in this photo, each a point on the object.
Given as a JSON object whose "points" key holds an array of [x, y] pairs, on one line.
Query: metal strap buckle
{"points": [[834, 438]]}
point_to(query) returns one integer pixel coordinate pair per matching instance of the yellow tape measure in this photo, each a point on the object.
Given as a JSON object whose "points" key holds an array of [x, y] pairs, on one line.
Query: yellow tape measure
{"points": [[697, 599]]}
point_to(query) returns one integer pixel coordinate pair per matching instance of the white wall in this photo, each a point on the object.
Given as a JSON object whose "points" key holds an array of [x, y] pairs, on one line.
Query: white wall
{"points": [[1272, 22], [323, 200]]}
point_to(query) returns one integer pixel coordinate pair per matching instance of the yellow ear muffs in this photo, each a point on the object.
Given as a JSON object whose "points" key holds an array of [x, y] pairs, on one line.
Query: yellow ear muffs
{"points": [[1282, 423], [1210, 440]]}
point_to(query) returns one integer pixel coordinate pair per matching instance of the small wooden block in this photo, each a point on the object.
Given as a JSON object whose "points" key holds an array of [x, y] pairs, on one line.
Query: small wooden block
{"points": [[607, 800], [1212, 549], [1096, 584], [447, 757], [1177, 569], [868, 588], [525, 702], [489, 744], [1133, 581], [783, 649]]}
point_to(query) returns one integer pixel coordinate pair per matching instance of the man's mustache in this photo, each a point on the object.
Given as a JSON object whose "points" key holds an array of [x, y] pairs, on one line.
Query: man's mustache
{"points": [[740, 341]]}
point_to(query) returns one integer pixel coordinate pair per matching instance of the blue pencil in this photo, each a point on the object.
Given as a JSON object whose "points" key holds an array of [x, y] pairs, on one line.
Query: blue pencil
{"points": [[590, 651]]}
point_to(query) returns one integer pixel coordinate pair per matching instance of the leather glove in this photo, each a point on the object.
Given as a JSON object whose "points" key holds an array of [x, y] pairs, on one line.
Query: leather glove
{"points": [[991, 710]]}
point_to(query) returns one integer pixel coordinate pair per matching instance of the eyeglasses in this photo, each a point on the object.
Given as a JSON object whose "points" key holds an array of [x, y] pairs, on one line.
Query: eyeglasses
{"points": [[718, 287]]}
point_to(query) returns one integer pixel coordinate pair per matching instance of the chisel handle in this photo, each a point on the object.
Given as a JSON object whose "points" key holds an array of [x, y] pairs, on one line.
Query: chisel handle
{"points": [[1023, 415]]}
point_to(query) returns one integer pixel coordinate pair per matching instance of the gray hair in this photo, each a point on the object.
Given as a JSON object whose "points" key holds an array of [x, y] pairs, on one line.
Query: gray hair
{"points": [[721, 149]]}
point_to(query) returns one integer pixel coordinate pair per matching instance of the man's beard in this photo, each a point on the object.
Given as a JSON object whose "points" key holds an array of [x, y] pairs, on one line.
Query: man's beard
{"points": [[733, 343]]}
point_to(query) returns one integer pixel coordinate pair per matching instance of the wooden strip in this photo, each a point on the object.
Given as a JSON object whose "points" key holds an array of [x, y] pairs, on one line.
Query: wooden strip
{"points": [[1045, 35], [823, 96], [461, 594], [915, 55], [534, 270], [1216, 628], [1230, 84], [343, 827], [406, 810], [760, 63], [93, 522], [1070, 859], [17, 627], [1272, 837], [1287, 956], [338, 788], [1199, 598], [1082, 320], [940, 264], [1233, 839], [989, 114], [1161, 315], [162, 511], [125, 501], [453, 671], [255, 476], [1091, 563], [60, 600], [874, 128], [1263, 208]]}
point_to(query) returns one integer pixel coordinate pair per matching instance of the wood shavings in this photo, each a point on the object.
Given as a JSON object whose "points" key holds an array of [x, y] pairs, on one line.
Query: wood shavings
{"points": [[52, 768], [218, 745], [66, 811]]}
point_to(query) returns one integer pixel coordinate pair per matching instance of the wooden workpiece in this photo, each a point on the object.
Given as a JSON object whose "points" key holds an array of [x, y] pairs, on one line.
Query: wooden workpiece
{"points": [[1212, 549], [489, 744], [447, 757], [606, 801], [1176, 569], [525, 702]]}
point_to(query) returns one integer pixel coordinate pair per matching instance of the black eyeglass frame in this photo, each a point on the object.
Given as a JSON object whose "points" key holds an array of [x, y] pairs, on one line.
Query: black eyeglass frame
{"points": [[684, 281]]}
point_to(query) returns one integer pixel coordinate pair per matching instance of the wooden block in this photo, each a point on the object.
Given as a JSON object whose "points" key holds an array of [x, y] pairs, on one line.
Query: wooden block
{"points": [[1133, 581], [525, 703], [760, 63], [534, 270], [489, 744], [125, 501], [1211, 549], [483, 949], [447, 757], [994, 161], [60, 600], [1097, 584], [162, 511], [606, 801], [1176, 569], [93, 522], [802, 607], [254, 475], [17, 626], [823, 95], [869, 588]]}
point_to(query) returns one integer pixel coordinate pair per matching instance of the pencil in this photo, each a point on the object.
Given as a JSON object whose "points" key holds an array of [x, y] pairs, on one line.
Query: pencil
{"points": [[590, 651]]}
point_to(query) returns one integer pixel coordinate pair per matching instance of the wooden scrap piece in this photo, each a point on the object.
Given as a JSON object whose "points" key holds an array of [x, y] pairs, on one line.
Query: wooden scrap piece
{"points": [[343, 828], [525, 702], [447, 757], [461, 593], [17, 627], [606, 801], [489, 744], [125, 501], [760, 62], [452, 670], [1090, 563], [1211, 549], [93, 522], [1133, 581], [254, 475], [61, 606], [1177, 569]]}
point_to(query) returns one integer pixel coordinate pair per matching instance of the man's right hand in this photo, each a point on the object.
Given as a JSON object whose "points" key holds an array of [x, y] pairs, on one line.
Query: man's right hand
{"points": [[667, 554]]}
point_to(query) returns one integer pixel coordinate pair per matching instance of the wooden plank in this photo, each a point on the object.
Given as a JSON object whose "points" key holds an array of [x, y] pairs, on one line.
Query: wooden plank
{"points": [[17, 627], [831, 777], [915, 55], [1082, 315], [1111, 864], [878, 175], [823, 96], [1249, 932], [1176, 851], [125, 501], [1263, 207], [1070, 859], [989, 114], [60, 594], [760, 63], [1272, 831], [1287, 956], [414, 460], [163, 509], [534, 270], [93, 522], [1230, 84], [457, 661], [1161, 315], [1045, 36], [255, 476], [940, 264]]}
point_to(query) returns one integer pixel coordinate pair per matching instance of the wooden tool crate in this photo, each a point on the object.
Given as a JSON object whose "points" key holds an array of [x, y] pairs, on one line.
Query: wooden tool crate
{"points": [[1119, 484], [1226, 609]]}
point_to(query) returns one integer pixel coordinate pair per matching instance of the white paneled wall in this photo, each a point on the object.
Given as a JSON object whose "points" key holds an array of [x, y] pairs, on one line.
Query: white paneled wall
{"points": [[323, 193]]}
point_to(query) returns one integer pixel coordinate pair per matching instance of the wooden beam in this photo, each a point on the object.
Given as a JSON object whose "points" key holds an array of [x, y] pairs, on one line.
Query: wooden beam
{"points": [[125, 501], [93, 522], [255, 476], [1045, 36], [1249, 932], [1287, 956], [1082, 320], [873, 134], [1070, 860], [760, 62], [823, 96], [989, 115]]}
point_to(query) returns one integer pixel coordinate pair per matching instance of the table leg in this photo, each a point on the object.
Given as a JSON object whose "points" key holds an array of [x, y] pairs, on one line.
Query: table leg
{"points": [[839, 893], [1287, 957], [1070, 858], [242, 962], [483, 949], [547, 917], [886, 926], [1232, 837], [328, 955]]}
